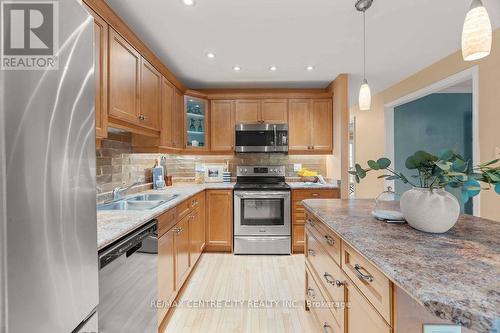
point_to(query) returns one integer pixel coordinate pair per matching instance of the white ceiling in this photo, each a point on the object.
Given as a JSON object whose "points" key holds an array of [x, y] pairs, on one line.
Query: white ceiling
{"points": [[403, 36]]}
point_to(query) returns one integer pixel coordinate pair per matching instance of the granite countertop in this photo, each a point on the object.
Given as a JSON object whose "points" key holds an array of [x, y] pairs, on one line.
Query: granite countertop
{"points": [[455, 276], [112, 225], [302, 185]]}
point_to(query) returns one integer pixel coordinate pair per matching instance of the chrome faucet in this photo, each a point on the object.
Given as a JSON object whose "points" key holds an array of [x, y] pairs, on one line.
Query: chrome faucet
{"points": [[120, 191]]}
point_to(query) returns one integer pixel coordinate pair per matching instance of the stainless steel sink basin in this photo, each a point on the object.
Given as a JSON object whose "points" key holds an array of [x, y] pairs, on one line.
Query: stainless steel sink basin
{"points": [[153, 197], [131, 205]]}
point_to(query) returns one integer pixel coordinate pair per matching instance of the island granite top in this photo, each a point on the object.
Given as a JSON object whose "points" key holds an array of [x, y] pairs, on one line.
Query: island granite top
{"points": [[455, 276]]}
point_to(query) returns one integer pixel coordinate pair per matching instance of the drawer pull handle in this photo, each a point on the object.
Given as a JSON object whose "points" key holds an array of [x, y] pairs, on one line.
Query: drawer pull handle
{"points": [[329, 278], [326, 327], [311, 293], [330, 240], [315, 194], [311, 252], [358, 270]]}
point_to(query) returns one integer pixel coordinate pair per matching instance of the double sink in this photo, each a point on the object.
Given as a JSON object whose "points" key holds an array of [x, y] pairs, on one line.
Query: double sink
{"points": [[139, 202]]}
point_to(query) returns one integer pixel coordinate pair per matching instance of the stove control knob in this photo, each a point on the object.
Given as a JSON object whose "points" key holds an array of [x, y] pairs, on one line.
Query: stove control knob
{"points": [[245, 170]]}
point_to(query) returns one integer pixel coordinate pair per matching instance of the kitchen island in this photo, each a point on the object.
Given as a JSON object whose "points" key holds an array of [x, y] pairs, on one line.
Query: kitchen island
{"points": [[455, 276]]}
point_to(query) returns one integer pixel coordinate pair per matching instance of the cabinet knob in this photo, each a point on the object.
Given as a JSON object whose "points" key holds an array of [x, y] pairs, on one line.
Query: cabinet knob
{"points": [[339, 283], [141, 117], [326, 327], [311, 252]]}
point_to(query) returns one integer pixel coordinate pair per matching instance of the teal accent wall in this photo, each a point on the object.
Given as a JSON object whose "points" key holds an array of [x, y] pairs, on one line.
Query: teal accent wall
{"points": [[433, 123]]}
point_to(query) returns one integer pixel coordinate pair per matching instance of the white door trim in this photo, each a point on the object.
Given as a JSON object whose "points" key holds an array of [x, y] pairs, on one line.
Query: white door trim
{"points": [[468, 74]]}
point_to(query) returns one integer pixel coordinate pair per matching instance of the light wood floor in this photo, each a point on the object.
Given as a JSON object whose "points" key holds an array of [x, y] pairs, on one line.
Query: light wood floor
{"points": [[221, 277]]}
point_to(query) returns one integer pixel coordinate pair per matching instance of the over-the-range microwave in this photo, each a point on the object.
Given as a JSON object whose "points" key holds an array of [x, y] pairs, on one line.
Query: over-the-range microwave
{"points": [[261, 138]]}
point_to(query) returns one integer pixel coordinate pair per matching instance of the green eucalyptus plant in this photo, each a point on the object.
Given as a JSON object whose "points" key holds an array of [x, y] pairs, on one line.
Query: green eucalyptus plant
{"points": [[448, 169]]}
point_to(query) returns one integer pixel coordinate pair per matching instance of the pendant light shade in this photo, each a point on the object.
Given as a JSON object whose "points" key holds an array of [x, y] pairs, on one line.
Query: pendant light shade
{"points": [[477, 33], [365, 97]]}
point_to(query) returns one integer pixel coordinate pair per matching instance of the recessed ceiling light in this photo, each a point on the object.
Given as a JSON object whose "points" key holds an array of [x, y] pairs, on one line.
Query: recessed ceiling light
{"points": [[236, 68], [309, 68], [273, 68], [210, 55], [188, 2]]}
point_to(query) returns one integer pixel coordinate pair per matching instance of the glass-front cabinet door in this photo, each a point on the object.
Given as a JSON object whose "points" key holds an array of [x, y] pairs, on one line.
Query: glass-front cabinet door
{"points": [[196, 123]]}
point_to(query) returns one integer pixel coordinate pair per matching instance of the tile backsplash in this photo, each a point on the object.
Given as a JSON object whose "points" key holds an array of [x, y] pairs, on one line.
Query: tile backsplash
{"points": [[117, 165]]}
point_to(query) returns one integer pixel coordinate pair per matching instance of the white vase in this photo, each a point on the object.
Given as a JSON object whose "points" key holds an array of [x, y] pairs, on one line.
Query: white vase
{"points": [[433, 211]]}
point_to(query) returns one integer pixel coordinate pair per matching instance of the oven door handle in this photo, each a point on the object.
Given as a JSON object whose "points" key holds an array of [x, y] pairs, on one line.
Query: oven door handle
{"points": [[267, 195]]}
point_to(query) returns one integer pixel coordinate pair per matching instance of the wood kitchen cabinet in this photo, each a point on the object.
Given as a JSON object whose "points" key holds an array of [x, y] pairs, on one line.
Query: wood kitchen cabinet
{"points": [[336, 272], [310, 124], [361, 316], [261, 111], [166, 272], [178, 120], [247, 111], [197, 127], [197, 228], [124, 79], [151, 84], [219, 220], [100, 74], [298, 212], [181, 241], [322, 125], [274, 111], [166, 115], [222, 126]]}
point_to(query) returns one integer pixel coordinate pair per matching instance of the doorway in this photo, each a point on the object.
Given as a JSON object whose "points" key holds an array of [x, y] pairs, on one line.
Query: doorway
{"points": [[441, 116]]}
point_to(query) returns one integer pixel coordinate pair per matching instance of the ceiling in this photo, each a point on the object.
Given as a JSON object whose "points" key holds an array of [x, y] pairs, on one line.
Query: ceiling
{"points": [[403, 36]]}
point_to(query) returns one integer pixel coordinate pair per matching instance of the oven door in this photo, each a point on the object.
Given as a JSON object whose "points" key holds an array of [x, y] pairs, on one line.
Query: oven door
{"points": [[262, 213]]}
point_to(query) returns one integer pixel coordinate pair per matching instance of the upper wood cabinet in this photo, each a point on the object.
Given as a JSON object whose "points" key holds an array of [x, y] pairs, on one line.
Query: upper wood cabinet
{"points": [[101, 75], [299, 133], [197, 126], [274, 111], [322, 125], [247, 111], [124, 79], [151, 81], [251, 111], [167, 110], [178, 120], [310, 124], [222, 126], [219, 220]]}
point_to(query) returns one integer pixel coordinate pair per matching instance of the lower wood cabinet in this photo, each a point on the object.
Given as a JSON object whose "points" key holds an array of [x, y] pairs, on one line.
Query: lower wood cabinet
{"points": [[361, 316], [197, 229], [166, 272], [347, 279], [298, 213], [181, 240], [219, 220]]}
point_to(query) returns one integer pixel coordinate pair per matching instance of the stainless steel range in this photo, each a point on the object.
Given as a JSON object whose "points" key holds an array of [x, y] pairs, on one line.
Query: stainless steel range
{"points": [[262, 223]]}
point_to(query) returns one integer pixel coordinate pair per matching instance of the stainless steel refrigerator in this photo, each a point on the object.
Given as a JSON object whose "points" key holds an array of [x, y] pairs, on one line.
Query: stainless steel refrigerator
{"points": [[49, 244]]}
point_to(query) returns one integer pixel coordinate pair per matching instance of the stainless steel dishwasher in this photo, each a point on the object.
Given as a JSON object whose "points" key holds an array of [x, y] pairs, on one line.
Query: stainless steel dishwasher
{"points": [[128, 283]]}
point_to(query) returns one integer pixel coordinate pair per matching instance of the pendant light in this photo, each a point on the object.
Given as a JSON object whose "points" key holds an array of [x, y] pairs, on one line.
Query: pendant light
{"points": [[365, 97], [477, 33]]}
